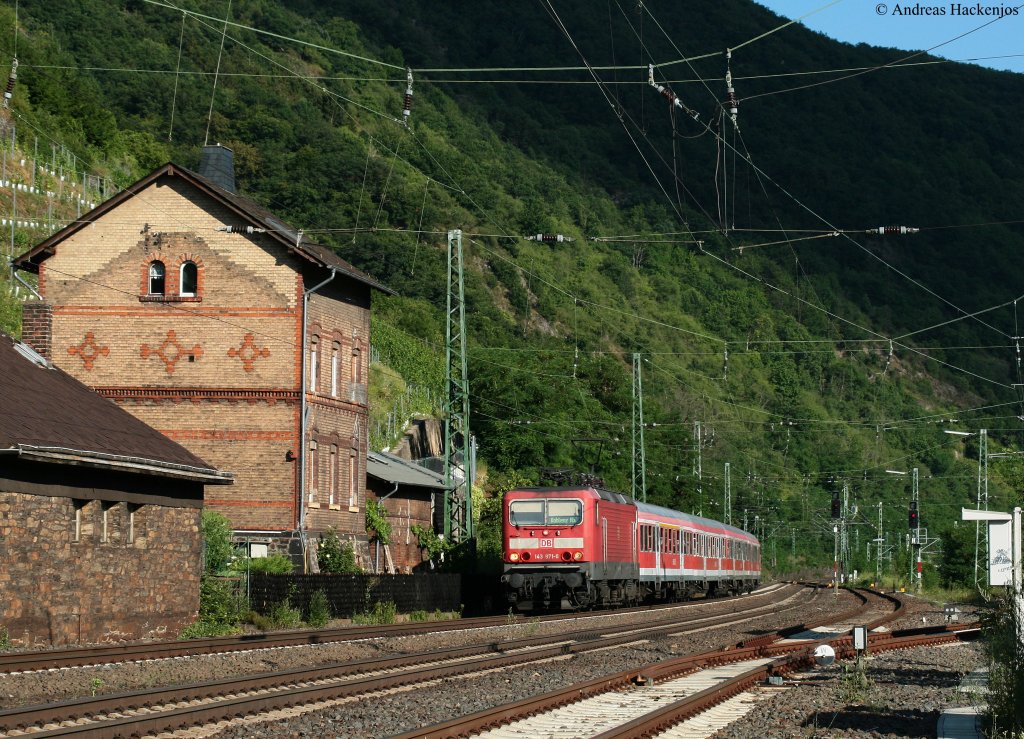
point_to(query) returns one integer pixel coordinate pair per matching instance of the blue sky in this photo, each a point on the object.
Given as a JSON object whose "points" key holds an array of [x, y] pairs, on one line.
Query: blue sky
{"points": [[882, 24]]}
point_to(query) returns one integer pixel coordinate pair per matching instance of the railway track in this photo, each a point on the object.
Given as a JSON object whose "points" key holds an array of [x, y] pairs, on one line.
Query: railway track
{"points": [[11, 662], [666, 696], [169, 709]]}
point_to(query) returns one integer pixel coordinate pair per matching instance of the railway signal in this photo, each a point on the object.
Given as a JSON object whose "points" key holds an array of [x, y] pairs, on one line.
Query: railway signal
{"points": [[913, 521], [837, 506]]}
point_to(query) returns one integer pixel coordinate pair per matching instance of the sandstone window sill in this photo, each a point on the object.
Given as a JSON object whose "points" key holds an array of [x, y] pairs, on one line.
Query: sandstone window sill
{"points": [[170, 299]]}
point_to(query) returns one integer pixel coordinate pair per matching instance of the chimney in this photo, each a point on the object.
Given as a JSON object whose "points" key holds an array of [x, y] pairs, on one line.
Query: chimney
{"points": [[37, 326], [217, 164]]}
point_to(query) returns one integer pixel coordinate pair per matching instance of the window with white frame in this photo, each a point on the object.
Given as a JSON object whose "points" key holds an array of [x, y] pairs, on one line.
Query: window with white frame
{"points": [[335, 351], [353, 478], [188, 279], [332, 476], [157, 278], [79, 505], [314, 365], [357, 366], [314, 469]]}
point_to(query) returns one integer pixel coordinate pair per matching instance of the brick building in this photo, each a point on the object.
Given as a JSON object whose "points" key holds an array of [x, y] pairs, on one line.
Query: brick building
{"points": [[208, 318], [99, 514], [412, 496]]}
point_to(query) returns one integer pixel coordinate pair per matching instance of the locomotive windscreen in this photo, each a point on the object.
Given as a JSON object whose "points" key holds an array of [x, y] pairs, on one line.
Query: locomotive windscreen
{"points": [[545, 512]]}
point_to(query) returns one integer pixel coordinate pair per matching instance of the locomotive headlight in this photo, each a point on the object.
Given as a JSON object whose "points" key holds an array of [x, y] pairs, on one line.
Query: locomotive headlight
{"points": [[577, 556], [514, 557]]}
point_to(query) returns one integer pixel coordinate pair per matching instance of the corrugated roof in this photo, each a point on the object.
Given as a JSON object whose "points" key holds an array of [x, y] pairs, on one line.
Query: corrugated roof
{"points": [[394, 469], [47, 410], [248, 209]]}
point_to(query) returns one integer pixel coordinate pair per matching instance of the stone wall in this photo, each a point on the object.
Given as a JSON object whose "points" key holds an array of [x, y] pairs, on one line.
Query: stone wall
{"points": [[90, 571]]}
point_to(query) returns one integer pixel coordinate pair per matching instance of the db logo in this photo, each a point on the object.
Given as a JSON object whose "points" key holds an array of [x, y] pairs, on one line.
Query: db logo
{"points": [[547, 543]]}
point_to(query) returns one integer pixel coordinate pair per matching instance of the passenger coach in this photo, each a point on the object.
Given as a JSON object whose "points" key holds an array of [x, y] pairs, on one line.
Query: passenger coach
{"points": [[581, 547]]}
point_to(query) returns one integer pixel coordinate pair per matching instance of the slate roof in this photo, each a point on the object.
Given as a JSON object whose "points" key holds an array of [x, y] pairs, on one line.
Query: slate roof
{"points": [[46, 414], [394, 469], [249, 210]]}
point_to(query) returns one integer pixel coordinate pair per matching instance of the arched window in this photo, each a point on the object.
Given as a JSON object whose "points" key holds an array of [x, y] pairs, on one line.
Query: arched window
{"points": [[189, 279], [335, 349], [314, 363], [157, 278]]}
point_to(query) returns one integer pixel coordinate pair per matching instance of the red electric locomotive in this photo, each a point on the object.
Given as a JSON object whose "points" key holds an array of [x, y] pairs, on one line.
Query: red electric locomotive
{"points": [[582, 547]]}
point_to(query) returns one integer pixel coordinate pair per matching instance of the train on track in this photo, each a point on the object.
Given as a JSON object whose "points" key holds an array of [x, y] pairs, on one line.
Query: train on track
{"points": [[584, 547]]}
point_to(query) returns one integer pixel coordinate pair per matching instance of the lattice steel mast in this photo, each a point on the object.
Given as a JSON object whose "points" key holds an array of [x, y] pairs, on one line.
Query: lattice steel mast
{"points": [[458, 467]]}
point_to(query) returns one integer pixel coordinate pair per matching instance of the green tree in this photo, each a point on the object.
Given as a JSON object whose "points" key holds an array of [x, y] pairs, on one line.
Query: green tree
{"points": [[217, 550]]}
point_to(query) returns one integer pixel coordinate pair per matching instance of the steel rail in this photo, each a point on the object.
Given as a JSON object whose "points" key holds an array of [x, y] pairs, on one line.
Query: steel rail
{"points": [[765, 646], [416, 667], [138, 651], [673, 713]]}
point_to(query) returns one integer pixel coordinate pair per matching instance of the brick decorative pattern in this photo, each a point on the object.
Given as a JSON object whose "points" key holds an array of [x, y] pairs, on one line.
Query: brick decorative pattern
{"points": [[37, 326], [169, 358], [88, 571], [89, 351], [237, 403], [248, 352]]}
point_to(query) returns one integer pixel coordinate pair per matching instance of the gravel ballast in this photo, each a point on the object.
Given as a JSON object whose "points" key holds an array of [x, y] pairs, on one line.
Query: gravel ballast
{"points": [[905, 692]]}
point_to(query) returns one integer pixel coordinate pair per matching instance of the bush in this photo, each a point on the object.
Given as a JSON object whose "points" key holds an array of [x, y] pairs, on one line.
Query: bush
{"points": [[220, 610], [275, 564], [382, 613], [1006, 673], [216, 542], [285, 616], [335, 557], [205, 630], [319, 612]]}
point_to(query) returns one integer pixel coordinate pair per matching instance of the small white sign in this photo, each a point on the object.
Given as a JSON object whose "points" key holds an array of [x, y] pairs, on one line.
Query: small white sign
{"points": [[1000, 563]]}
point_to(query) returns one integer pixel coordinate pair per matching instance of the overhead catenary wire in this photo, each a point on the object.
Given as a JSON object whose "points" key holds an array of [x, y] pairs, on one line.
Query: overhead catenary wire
{"points": [[760, 173], [500, 235], [252, 29], [177, 75], [887, 64], [526, 81], [213, 93], [597, 80]]}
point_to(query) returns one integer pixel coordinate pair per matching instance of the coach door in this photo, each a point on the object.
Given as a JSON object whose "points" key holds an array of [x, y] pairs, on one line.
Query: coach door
{"points": [[657, 553]]}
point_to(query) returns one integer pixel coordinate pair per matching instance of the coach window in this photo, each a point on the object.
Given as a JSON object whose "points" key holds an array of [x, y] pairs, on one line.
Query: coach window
{"points": [[157, 278], [188, 279]]}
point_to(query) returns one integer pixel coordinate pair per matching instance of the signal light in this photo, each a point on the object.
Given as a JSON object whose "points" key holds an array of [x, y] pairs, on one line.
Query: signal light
{"points": [[836, 505], [912, 520]]}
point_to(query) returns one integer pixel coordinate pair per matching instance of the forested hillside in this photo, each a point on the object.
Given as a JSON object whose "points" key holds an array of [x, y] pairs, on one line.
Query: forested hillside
{"points": [[775, 334]]}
